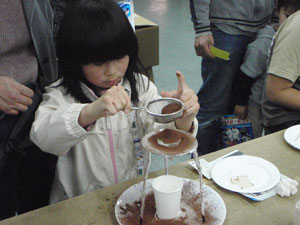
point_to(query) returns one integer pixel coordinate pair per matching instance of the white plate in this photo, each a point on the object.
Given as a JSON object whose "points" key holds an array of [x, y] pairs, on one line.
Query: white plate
{"points": [[292, 136], [212, 200], [262, 174]]}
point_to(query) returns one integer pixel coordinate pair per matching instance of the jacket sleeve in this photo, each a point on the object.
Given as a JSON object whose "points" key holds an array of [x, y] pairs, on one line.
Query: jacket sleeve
{"points": [[56, 129], [59, 7], [256, 58], [254, 65], [243, 88], [200, 17]]}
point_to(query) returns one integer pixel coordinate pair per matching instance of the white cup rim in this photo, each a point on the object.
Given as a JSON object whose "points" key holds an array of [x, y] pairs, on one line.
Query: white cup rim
{"points": [[179, 179]]}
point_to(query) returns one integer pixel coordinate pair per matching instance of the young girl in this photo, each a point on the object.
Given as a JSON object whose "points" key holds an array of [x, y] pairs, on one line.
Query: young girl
{"points": [[85, 117]]}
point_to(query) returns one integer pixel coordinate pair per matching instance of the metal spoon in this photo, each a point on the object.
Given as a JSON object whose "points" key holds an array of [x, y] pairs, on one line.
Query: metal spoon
{"points": [[137, 108]]}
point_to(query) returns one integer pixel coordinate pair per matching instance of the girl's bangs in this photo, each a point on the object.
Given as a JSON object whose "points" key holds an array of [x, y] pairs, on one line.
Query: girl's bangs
{"points": [[100, 42], [102, 48]]}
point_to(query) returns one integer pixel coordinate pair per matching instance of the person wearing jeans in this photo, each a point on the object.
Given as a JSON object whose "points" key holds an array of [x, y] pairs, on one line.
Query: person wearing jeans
{"points": [[229, 25], [218, 76]]}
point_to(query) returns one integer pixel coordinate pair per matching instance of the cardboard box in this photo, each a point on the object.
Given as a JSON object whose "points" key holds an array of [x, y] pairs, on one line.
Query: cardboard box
{"points": [[147, 34]]}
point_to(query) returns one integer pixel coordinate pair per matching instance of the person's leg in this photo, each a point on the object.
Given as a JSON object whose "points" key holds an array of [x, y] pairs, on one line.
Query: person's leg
{"points": [[209, 137], [218, 77], [256, 118], [8, 173], [8, 187]]}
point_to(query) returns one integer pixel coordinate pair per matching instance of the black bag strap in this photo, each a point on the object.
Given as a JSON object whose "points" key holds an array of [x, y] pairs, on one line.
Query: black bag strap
{"points": [[19, 136]]}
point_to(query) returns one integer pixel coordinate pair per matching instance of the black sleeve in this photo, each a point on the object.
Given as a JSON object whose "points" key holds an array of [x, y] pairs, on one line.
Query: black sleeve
{"points": [[58, 7], [243, 88]]}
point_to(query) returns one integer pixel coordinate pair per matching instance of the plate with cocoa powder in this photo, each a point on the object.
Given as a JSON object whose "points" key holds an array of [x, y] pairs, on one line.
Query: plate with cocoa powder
{"points": [[171, 142], [127, 209]]}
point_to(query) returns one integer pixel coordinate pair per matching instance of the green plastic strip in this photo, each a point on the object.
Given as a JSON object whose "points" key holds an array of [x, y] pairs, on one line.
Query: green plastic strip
{"points": [[220, 53]]}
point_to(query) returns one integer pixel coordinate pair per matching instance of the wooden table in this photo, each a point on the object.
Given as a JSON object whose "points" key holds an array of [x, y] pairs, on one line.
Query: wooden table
{"points": [[98, 207]]}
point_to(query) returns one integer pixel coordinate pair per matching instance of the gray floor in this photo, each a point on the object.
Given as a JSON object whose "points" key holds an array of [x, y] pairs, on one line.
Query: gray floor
{"points": [[176, 50]]}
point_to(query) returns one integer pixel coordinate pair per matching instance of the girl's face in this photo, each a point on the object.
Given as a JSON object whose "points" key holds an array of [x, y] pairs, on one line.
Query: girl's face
{"points": [[107, 74]]}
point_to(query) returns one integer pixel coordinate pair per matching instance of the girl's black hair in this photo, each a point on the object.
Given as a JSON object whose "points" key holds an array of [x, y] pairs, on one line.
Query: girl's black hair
{"points": [[293, 5], [94, 31]]}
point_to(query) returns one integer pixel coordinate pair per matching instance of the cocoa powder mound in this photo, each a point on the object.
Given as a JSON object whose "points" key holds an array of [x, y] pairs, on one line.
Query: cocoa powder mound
{"points": [[169, 136], [186, 142], [171, 108]]}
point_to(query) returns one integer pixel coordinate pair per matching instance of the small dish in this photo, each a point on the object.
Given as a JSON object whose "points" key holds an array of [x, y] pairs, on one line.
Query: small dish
{"points": [[292, 136], [236, 172]]}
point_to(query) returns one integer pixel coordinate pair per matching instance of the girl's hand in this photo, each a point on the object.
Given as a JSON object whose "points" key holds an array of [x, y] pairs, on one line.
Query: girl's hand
{"points": [[241, 111], [189, 99], [111, 102]]}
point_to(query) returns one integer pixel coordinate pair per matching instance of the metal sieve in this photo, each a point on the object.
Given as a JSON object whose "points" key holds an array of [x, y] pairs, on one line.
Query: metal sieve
{"points": [[155, 107]]}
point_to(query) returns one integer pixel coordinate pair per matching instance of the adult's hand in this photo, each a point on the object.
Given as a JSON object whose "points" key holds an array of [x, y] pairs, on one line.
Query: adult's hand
{"points": [[14, 97], [202, 46], [189, 99]]}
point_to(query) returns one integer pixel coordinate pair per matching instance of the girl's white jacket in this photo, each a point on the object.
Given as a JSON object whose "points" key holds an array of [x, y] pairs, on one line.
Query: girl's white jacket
{"points": [[102, 155]]}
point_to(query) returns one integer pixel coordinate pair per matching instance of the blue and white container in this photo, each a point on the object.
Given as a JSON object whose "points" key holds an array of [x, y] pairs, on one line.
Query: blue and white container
{"points": [[128, 8]]}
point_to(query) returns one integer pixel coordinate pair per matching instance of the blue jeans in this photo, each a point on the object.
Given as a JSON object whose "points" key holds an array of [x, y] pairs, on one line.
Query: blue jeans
{"points": [[215, 93]]}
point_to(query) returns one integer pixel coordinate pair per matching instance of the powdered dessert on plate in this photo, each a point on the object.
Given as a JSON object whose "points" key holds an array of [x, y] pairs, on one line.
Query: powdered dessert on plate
{"points": [[169, 138], [171, 142], [190, 208], [171, 108]]}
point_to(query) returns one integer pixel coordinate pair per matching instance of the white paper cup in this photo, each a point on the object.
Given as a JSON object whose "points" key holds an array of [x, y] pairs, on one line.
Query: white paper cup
{"points": [[167, 194]]}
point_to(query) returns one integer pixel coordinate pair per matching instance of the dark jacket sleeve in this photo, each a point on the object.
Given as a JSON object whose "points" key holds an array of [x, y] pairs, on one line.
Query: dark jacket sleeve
{"points": [[58, 7], [39, 18], [243, 88], [254, 64]]}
